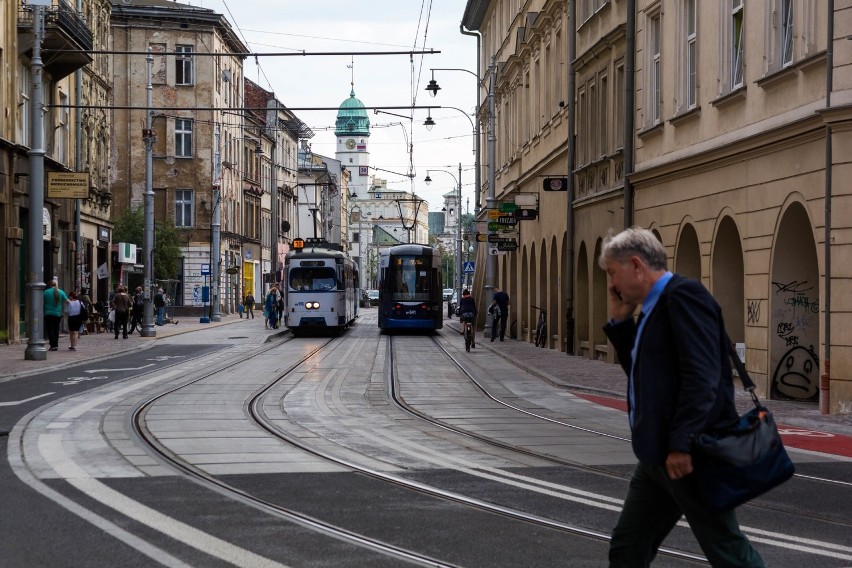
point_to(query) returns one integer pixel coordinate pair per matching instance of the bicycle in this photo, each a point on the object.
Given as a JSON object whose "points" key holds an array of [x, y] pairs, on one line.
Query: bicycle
{"points": [[541, 327], [467, 331]]}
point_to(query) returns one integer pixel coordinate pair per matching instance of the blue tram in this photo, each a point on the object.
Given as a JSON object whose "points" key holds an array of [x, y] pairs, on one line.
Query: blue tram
{"points": [[410, 288], [320, 288]]}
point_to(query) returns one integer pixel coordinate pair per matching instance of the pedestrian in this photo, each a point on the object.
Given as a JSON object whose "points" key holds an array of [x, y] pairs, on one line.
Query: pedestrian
{"points": [[77, 315], [679, 384], [160, 306], [90, 309], [122, 304], [467, 314], [500, 309], [270, 307], [54, 301], [138, 310], [248, 302]]}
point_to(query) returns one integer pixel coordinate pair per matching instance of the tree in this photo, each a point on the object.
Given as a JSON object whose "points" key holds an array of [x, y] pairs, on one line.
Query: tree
{"points": [[129, 228]]}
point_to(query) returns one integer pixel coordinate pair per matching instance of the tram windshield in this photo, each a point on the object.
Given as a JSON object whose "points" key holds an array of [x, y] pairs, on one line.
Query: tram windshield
{"points": [[320, 278], [408, 278]]}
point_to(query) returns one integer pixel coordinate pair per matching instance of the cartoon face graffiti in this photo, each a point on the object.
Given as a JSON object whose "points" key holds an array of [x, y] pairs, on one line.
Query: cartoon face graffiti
{"points": [[797, 375]]}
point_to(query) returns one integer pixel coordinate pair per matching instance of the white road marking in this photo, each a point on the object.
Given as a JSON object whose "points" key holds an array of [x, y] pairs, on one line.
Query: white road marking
{"points": [[123, 369], [50, 447], [17, 402], [79, 410]]}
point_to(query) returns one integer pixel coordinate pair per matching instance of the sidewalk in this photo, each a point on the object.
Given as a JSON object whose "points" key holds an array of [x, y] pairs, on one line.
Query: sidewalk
{"points": [[607, 380], [95, 346]]}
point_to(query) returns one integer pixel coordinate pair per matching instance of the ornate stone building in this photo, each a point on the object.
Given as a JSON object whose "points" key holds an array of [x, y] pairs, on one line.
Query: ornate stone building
{"points": [[76, 91], [720, 126]]}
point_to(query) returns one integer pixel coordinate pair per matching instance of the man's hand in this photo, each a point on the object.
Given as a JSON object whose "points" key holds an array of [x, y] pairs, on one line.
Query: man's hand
{"points": [[619, 310], [678, 465]]}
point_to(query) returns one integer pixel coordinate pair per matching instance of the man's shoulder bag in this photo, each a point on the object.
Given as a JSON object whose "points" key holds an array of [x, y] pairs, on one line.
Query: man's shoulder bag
{"points": [[744, 460]]}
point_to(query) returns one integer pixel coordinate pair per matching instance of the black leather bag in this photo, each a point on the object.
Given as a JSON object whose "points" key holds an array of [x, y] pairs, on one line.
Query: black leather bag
{"points": [[738, 463]]}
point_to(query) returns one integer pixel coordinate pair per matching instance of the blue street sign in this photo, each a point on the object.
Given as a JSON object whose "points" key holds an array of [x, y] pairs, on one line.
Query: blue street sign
{"points": [[468, 267]]}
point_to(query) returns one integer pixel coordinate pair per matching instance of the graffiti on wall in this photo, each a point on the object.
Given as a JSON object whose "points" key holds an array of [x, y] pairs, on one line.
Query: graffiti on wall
{"points": [[753, 312], [795, 321]]}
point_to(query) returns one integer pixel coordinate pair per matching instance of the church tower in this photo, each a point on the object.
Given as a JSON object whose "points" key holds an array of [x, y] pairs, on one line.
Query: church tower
{"points": [[353, 135]]}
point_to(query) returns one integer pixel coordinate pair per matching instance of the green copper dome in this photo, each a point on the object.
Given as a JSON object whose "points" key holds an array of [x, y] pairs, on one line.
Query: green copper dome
{"points": [[352, 119]]}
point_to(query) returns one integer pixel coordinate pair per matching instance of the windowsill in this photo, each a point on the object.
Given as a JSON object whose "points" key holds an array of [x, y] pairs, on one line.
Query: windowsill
{"points": [[777, 77], [688, 116], [736, 95], [651, 131]]}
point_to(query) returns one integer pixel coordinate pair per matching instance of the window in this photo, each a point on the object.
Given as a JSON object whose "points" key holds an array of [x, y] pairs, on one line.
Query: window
{"points": [[183, 208], [183, 137], [618, 113], [183, 65], [786, 32], [737, 45], [251, 219], [24, 106], [655, 69], [691, 61], [61, 144], [603, 108]]}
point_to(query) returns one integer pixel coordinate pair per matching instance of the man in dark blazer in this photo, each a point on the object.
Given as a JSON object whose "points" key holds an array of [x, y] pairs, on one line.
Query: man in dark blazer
{"points": [[679, 385]]}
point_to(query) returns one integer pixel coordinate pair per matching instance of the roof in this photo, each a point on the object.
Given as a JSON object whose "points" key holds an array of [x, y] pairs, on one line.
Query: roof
{"points": [[352, 118]]}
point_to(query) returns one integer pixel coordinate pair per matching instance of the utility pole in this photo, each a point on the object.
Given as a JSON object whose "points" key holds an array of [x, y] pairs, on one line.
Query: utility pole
{"points": [[36, 350], [490, 202], [459, 273], [148, 329]]}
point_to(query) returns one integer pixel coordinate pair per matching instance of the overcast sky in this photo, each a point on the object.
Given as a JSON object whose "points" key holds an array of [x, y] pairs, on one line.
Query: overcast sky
{"points": [[380, 80]]}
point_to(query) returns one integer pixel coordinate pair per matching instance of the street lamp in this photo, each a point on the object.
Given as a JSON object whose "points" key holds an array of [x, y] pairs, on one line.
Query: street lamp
{"points": [[428, 180]]}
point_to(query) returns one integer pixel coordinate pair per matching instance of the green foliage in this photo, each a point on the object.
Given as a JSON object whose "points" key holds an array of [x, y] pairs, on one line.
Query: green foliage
{"points": [[130, 228]]}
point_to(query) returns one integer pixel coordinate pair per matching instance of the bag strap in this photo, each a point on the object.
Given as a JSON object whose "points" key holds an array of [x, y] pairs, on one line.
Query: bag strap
{"points": [[748, 384]]}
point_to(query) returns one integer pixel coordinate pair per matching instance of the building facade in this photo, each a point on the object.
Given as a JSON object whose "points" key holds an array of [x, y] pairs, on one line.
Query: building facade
{"points": [[722, 128], [76, 90], [203, 148]]}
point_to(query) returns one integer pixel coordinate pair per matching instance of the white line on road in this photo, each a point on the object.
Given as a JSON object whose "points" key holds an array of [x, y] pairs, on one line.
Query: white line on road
{"points": [[17, 402], [124, 369]]}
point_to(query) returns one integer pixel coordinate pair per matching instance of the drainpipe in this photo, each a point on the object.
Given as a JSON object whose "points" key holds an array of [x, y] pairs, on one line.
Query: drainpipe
{"points": [[570, 149], [629, 112], [825, 378]]}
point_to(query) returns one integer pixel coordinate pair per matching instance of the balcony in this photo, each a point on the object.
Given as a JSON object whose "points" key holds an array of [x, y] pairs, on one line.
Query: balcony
{"points": [[65, 33]]}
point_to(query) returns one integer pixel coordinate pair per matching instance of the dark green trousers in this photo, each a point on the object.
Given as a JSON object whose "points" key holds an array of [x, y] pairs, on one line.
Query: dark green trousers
{"points": [[655, 503]]}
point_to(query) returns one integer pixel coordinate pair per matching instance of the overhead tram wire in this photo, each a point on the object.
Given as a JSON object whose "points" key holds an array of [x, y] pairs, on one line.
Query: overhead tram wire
{"points": [[173, 108], [247, 54]]}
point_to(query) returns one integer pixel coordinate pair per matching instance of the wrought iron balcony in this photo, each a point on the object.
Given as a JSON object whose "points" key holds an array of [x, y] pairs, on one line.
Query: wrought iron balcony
{"points": [[66, 33]]}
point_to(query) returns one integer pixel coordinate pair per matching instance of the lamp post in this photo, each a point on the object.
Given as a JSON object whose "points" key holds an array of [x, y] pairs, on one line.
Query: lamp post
{"points": [[428, 180], [148, 329], [36, 350]]}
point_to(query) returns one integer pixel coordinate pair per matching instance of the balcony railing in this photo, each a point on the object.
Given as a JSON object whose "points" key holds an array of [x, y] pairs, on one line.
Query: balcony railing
{"points": [[65, 29]]}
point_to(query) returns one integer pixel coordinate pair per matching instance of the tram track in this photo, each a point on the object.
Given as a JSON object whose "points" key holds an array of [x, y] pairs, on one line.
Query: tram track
{"points": [[764, 507]]}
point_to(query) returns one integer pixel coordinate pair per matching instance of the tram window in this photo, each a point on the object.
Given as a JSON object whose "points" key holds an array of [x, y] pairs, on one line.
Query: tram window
{"points": [[320, 278], [409, 279]]}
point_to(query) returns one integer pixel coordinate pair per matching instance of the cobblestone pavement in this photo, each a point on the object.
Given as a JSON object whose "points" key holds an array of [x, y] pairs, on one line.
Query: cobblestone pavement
{"points": [[593, 377]]}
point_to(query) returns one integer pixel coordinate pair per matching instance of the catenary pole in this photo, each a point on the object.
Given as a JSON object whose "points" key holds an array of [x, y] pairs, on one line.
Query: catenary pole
{"points": [[36, 350], [148, 329]]}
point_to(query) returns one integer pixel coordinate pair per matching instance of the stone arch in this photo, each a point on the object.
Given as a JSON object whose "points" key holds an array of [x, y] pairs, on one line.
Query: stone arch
{"points": [[688, 253], [522, 298], [543, 285], [529, 314], [727, 277], [600, 306], [582, 301], [794, 300]]}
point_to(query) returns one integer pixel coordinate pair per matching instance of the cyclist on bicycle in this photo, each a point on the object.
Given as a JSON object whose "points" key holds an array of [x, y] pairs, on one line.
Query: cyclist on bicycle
{"points": [[467, 314]]}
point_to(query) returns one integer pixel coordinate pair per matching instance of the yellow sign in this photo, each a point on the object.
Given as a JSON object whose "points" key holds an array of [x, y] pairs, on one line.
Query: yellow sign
{"points": [[67, 185], [494, 213]]}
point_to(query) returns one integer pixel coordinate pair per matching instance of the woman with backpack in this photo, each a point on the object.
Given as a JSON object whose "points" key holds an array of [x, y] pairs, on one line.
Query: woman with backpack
{"points": [[77, 316]]}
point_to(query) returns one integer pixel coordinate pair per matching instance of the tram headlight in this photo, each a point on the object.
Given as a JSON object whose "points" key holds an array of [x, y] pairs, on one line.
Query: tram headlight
{"points": [[312, 305]]}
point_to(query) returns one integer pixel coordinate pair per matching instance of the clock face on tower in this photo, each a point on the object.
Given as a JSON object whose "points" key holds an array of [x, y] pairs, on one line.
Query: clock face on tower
{"points": [[350, 144]]}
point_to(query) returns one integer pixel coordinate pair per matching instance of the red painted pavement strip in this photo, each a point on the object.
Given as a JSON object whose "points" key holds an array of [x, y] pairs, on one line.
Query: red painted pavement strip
{"points": [[803, 438]]}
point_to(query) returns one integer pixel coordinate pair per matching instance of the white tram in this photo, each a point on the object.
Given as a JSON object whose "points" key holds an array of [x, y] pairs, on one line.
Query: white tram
{"points": [[320, 288]]}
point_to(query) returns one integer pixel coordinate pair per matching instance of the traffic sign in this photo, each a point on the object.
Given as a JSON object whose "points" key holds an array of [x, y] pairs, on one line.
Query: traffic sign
{"points": [[526, 214], [481, 237], [508, 207], [205, 270], [468, 267], [506, 220], [493, 213]]}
